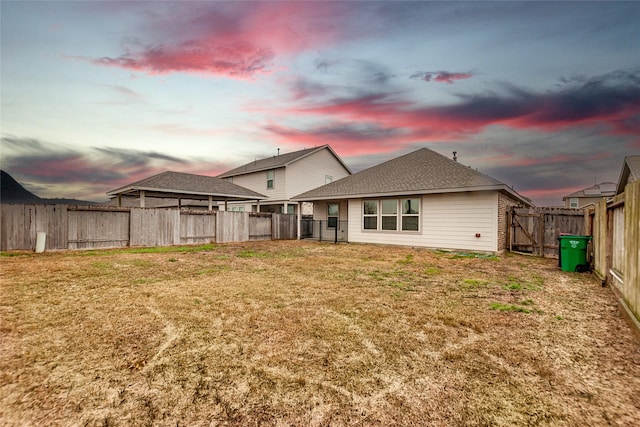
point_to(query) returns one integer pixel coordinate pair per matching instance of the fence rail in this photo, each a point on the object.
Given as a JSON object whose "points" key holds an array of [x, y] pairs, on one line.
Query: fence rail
{"points": [[94, 227]]}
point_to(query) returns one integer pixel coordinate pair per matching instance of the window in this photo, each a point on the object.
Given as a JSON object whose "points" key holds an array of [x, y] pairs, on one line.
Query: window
{"points": [[332, 215], [370, 210], [573, 202], [328, 179], [236, 208], [230, 179], [410, 212], [391, 215], [270, 178]]}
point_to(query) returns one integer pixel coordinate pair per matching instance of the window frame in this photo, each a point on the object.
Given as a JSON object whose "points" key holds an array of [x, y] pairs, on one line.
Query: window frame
{"points": [[571, 202], [399, 212], [333, 218], [271, 179]]}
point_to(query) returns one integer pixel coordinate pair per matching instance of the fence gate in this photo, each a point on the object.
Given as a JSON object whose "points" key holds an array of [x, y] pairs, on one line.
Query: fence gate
{"points": [[536, 230]]}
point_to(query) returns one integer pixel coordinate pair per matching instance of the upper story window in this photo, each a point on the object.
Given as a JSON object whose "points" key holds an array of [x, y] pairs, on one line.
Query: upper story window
{"points": [[573, 202], [328, 179], [271, 177], [229, 179]]}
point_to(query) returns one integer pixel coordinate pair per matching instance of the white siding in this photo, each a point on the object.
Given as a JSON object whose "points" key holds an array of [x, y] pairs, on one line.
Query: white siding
{"points": [[310, 172], [448, 221], [258, 182]]}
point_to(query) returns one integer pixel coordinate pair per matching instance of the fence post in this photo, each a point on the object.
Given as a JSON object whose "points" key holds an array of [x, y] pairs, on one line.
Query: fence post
{"points": [[336, 236]]}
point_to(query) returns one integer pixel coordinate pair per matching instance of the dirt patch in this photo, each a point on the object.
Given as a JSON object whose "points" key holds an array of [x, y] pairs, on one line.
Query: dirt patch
{"points": [[301, 333]]}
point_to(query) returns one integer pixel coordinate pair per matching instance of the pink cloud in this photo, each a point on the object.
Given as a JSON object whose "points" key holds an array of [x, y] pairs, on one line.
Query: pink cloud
{"points": [[236, 40]]}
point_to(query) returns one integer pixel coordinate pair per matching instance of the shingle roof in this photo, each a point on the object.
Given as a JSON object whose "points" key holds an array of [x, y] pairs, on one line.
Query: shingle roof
{"points": [[186, 184], [630, 172], [604, 189], [278, 161], [420, 172]]}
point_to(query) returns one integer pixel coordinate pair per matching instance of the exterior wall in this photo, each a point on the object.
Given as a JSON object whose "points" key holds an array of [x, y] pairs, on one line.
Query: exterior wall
{"points": [[310, 172], [320, 210], [258, 182], [505, 203], [582, 201], [447, 221]]}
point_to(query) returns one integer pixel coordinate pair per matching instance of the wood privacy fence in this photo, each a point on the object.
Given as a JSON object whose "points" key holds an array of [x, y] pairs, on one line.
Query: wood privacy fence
{"points": [[615, 227], [536, 230], [93, 227]]}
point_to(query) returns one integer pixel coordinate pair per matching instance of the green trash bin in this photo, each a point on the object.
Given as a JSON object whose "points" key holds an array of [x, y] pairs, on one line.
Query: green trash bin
{"points": [[573, 253]]}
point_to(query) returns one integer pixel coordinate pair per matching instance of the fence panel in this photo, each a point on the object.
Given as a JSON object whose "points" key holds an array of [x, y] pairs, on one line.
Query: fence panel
{"points": [[536, 230], [285, 227], [632, 247], [19, 225], [97, 228], [232, 227], [155, 227], [617, 244], [260, 226], [197, 227]]}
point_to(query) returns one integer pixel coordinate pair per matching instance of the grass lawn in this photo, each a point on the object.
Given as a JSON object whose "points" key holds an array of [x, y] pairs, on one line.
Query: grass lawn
{"points": [[303, 333]]}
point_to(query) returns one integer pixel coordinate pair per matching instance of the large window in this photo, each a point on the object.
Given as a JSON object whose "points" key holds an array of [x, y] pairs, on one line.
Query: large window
{"points": [[332, 215], [573, 202], [271, 174], [391, 215]]}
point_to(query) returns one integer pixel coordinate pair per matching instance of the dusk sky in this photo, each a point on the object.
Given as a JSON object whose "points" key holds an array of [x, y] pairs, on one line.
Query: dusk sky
{"points": [[543, 96]]}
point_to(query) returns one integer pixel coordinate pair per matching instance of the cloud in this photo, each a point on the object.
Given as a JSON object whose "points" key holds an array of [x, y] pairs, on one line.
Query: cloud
{"points": [[57, 171], [230, 39], [609, 104], [440, 76]]}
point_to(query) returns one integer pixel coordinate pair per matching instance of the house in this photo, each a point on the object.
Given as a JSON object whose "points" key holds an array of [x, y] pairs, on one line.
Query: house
{"points": [[181, 189], [283, 176], [420, 199], [590, 196], [630, 172]]}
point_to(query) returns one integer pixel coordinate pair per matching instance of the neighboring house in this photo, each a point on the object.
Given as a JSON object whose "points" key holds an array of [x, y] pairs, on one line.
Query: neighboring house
{"points": [[176, 189], [589, 196], [630, 172], [419, 199], [283, 176]]}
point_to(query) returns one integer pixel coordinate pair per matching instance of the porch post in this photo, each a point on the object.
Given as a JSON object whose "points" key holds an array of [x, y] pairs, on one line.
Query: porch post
{"points": [[210, 203], [142, 198]]}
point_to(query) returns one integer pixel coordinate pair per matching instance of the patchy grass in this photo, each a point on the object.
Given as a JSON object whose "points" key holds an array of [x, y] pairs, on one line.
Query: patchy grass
{"points": [[300, 333]]}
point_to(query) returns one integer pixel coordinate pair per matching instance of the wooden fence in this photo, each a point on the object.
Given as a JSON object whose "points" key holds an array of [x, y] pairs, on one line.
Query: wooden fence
{"points": [[93, 227], [536, 230], [616, 236]]}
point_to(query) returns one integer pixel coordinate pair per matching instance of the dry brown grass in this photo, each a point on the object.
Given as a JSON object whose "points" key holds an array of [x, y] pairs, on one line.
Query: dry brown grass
{"points": [[301, 333]]}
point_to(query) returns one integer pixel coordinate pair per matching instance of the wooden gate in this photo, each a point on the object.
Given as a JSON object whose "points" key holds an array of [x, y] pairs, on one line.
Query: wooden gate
{"points": [[536, 230]]}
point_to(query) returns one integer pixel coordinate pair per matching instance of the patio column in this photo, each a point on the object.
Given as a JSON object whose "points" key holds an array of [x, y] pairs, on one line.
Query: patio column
{"points": [[142, 198], [210, 203]]}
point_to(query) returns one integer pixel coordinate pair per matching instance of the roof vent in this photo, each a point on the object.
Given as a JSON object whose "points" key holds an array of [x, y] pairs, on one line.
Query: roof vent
{"points": [[455, 158]]}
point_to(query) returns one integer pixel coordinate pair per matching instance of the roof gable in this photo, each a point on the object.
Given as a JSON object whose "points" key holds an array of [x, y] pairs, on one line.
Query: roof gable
{"points": [[630, 172], [188, 184], [420, 172], [281, 160], [604, 189]]}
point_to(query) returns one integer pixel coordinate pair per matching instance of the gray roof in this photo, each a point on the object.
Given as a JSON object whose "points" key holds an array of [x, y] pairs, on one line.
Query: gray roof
{"points": [[196, 187], [281, 160], [421, 172], [604, 189], [630, 172]]}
